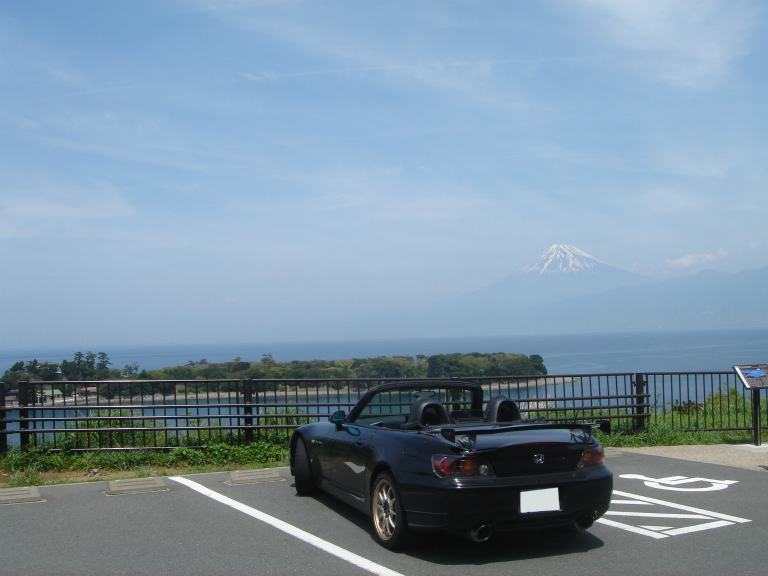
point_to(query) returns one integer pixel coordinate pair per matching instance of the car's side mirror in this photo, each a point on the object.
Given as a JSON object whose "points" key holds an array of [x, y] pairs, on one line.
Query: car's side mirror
{"points": [[604, 426], [338, 417]]}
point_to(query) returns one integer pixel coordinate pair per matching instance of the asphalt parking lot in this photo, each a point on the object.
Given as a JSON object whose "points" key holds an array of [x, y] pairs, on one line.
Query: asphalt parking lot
{"points": [[667, 516]]}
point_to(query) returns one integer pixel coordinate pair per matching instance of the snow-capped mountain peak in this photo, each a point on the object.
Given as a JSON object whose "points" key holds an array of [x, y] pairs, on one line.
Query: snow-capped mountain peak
{"points": [[561, 258]]}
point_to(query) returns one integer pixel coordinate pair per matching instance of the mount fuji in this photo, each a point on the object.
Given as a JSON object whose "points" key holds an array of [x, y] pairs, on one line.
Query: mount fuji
{"points": [[560, 273], [561, 258], [523, 300], [565, 290]]}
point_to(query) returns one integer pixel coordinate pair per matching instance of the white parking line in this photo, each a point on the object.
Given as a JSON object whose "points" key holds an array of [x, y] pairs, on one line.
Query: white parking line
{"points": [[629, 528], [683, 507], [337, 551], [715, 519]]}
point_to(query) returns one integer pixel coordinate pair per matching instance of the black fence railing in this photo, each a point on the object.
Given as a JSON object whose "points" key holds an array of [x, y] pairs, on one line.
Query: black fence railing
{"points": [[131, 414]]}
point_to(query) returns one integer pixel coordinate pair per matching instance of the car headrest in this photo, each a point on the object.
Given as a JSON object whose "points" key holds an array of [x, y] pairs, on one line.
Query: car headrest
{"points": [[502, 409], [428, 412]]}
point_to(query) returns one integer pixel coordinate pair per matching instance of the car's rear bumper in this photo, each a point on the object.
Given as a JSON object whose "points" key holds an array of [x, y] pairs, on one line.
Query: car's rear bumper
{"points": [[446, 508]]}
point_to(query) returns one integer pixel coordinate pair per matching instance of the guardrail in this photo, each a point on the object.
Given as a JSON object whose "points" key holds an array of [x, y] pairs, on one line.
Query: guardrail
{"points": [[132, 414]]}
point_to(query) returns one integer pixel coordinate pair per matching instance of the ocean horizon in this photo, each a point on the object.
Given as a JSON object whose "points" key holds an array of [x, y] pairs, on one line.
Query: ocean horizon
{"points": [[565, 353]]}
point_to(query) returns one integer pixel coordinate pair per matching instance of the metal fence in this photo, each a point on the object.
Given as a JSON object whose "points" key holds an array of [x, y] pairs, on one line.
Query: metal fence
{"points": [[131, 414]]}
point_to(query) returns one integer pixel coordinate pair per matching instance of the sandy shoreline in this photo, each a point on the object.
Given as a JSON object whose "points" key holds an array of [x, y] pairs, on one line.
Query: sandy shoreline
{"points": [[287, 394]]}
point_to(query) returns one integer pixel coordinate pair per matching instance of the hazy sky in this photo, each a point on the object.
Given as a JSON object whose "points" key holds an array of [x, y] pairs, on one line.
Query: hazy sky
{"points": [[251, 170]]}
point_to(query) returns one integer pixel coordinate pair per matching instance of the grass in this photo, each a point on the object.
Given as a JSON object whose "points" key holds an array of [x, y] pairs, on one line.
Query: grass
{"points": [[664, 435], [42, 466]]}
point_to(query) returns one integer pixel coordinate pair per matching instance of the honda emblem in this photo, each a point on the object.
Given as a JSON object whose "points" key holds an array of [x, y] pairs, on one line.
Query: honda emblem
{"points": [[538, 458]]}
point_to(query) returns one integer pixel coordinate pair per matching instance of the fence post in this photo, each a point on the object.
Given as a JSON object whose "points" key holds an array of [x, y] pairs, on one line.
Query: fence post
{"points": [[756, 416], [23, 415], [248, 409], [640, 386], [3, 416], [258, 409]]}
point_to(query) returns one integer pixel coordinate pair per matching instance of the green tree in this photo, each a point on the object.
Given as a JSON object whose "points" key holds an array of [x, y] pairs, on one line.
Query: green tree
{"points": [[48, 372], [131, 371], [104, 362], [85, 367], [15, 374], [538, 363]]}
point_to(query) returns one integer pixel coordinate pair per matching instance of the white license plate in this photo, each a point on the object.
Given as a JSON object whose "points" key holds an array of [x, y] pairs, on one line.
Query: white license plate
{"points": [[546, 500]]}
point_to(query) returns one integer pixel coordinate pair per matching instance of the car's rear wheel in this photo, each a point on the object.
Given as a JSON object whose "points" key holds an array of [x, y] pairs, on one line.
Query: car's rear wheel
{"points": [[389, 524], [302, 468]]}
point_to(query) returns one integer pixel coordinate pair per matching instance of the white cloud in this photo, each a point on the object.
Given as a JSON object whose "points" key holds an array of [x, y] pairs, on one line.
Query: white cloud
{"points": [[52, 206], [688, 44], [695, 259], [368, 40], [698, 160], [667, 200]]}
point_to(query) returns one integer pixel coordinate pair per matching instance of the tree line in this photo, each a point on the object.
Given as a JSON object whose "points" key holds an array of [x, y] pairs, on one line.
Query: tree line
{"points": [[92, 367]]}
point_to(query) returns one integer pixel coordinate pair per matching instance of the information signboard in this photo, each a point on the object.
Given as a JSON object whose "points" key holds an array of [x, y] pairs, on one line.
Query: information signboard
{"points": [[753, 376]]}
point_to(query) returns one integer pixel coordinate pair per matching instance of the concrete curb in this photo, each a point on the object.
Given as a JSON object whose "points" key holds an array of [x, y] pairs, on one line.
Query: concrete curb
{"points": [[739, 455]]}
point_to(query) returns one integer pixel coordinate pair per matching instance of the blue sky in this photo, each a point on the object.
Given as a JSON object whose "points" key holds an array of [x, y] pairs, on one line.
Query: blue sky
{"points": [[239, 171]]}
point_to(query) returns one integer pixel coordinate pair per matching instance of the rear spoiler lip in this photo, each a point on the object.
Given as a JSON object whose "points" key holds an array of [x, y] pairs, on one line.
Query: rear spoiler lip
{"points": [[451, 433]]}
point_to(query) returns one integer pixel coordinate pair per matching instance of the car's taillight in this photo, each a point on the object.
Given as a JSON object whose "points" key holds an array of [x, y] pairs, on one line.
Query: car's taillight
{"points": [[592, 458], [460, 466]]}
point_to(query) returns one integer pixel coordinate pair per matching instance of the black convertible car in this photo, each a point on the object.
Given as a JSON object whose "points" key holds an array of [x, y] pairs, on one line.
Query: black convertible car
{"points": [[433, 456]]}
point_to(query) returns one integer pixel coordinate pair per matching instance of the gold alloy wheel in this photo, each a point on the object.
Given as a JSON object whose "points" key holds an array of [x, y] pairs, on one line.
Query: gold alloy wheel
{"points": [[385, 509]]}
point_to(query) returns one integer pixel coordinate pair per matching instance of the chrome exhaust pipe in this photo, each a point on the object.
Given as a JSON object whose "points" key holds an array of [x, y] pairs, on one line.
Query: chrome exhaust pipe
{"points": [[585, 521], [481, 533]]}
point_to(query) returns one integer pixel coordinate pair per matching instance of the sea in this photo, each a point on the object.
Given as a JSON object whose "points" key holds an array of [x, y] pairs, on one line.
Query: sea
{"points": [[564, 354]]}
